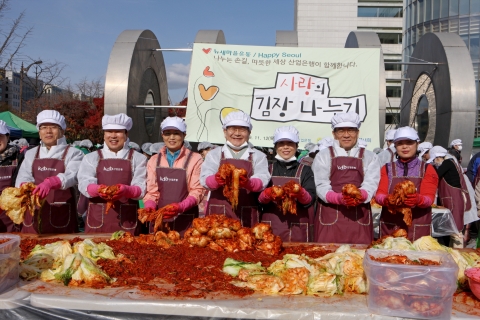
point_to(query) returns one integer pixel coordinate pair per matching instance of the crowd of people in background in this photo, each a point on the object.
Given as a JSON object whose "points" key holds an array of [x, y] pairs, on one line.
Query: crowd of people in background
{"points": [[72, 179]]}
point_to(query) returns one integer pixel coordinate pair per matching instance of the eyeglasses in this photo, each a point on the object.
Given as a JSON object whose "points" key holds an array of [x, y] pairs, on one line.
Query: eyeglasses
{"points": [[237, 129], [350, 131], [171, 133], [47, 128]]}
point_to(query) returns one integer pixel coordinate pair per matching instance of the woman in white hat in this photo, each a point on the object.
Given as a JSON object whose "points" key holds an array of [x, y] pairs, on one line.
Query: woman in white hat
{"points": [[456, 149], [115, 164], [146, 149], [53, 167], [10, 160], [388, 155], [408, 167], [204, 147], [339, 219], [173, 178], [290, 227], [237, 127], [424, 149]]}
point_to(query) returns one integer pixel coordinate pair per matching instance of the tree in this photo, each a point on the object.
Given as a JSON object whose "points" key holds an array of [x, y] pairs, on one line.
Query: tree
{"points": [[179, 112], [12, 38], [46, 75], [89, 89]]}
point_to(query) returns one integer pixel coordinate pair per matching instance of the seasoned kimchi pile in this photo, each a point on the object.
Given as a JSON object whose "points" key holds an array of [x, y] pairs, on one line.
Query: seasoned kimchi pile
{"points": [[396, 200], [16, 201], [232, 177], [402, 259]]}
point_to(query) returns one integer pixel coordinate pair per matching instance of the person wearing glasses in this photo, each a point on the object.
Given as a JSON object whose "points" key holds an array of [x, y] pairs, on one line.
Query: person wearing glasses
{"points": [[173, 179], [115, 164], [237, 128], [338, 218], [53, 167]]}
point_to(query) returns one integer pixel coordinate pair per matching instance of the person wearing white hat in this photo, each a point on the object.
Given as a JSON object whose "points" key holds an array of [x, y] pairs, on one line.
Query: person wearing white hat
{"points": [[407, 167], [456, 149], [306, 157], [424, 149], [156, 147], [115, 164], [325, 143], [53, 167], [388, 155], [134, 146], [10, 161], [22, 144], [173, 179], [204, 147], [146, 149], [285, 168], [341, 219], [85, 146], [237, 151]]}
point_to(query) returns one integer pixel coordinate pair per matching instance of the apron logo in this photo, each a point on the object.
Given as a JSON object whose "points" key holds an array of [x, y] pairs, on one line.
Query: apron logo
{"points": [[46, 169], [167, 179], [112, 169], [5, 177], [344, 167]]}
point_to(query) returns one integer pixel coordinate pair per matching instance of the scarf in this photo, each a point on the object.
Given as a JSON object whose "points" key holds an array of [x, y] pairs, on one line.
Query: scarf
{"points": [[9, 152], [231, 146], [279, 158]]}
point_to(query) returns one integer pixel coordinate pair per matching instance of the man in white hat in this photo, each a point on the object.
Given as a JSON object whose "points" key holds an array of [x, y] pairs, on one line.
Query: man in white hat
{"points": [[339, 219], [10, 161], [388, 155], [286, 168], [456, 149], [237, 128], [53, 167], [173, 179], [424, 149], [115, 164]]}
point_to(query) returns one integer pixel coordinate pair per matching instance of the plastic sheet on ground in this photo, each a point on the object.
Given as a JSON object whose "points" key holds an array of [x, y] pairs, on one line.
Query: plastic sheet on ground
{"points": [[442, 222]]}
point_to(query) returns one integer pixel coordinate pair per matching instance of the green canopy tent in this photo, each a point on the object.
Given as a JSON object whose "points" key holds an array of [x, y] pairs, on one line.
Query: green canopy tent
{"points": [[476, 143], [28, 130]]}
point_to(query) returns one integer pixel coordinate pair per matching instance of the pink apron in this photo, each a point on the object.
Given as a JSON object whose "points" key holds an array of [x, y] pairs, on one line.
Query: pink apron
{"points": [[173, 188], [6, 172], [123, 215], [290, 227], [338, 223], [59, 211], [421, 217], [457, 200], [247, 209]]}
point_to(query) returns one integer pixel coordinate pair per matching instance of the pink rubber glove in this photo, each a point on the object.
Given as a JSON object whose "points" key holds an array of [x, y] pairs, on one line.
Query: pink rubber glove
{"points": [[212, 183], [418, 200], [92, 190], [253, 184], [381, 199], [187, 204], [150, 205], [335, 198], [303, 196], [265, 196], [50, 183], [128, 192]]}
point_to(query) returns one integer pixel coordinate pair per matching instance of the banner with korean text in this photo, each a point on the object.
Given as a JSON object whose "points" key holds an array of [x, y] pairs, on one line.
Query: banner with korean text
{"points": [[277, 86]]}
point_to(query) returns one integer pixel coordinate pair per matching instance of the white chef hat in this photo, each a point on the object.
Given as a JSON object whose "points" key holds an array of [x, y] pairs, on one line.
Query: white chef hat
{"points": [[405, 133], [51, 116], [187, 145], [349, 119], [390, 134], [134, 146], [362, 143], [155, 148], [117, 122], [237, 118], [146, 148], [424, 147], [435, 152], [174, 123], [286, 133], [3, 128], [204, 145], [325, 143], [22, 142], [456, 142], [86, 143]]}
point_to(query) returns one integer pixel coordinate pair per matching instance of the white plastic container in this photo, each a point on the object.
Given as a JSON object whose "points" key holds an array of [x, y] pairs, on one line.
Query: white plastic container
{"points": [[411, 291], [9, 269], [11, 245]]}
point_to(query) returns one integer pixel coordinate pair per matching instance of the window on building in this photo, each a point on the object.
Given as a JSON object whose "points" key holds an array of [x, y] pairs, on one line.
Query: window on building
{"points": [[392, 118], [390, 38], [444, 8], [421, 11], [6, 95], [414, 14], [428, 10], [394, 92], [453, 7], [380, 12], [464, 7], [436, 9], [474, 46], [6, 88], [474, 6], [393, 67]]}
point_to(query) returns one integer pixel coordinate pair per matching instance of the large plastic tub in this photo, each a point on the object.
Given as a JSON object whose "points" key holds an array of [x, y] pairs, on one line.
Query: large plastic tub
{"points": [[9, 269], [11, 245], [411, 291]]}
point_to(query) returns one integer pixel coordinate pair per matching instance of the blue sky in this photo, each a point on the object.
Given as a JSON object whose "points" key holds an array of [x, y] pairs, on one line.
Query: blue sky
{"points": [[81, 33]]}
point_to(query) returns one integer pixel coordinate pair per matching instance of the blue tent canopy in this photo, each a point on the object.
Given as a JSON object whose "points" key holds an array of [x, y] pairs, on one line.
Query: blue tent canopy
{"points": [[15, 133]]}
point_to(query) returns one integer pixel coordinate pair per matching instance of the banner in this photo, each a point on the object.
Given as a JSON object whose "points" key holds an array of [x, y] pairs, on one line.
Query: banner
{"points": [[279, 86]]}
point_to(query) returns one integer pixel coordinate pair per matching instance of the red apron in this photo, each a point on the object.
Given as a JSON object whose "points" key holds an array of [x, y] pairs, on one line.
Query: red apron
{"points": [[173, 188], [457, 200], [290, 227], [123, 215], [247, 209], [59, 211], [338, 223], [6, 172], [421, 217]]}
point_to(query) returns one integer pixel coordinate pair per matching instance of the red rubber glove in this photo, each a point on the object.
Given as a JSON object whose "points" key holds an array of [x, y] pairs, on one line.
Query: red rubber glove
{"points": [[353, 203], [335, 198], [302, 196], [150, 205], [128, 192], [212, 183], [92, 190], [266, 196], [50, 183], [413, 200], [172, 211], [220, 181]]}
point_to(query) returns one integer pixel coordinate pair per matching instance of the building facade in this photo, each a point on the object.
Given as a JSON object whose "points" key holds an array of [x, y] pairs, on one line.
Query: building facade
{"points": [[327, 24], [456, 16]]}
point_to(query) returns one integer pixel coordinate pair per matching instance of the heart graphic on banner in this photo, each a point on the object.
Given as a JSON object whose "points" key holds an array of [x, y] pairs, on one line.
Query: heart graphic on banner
{"points": [[209, 93], [208, 73], [207, 51]]}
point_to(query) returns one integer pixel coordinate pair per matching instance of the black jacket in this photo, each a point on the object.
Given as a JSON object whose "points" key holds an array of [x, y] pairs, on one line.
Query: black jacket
{"points": [[8, 162], [448, 171]]}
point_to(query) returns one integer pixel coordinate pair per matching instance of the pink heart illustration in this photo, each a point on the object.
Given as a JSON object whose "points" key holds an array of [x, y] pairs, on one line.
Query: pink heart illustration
{"points": [[207, 51]]}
